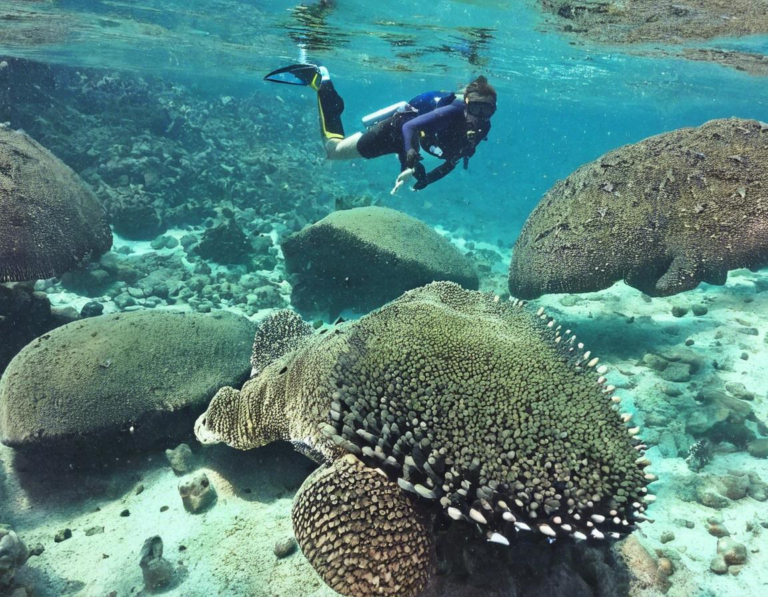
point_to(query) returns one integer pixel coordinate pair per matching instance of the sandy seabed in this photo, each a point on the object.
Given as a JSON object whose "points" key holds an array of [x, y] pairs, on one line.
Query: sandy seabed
{"points": [[228, 549]]}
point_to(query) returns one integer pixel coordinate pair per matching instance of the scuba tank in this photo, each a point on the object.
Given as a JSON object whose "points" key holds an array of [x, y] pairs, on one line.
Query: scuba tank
{"points": [[383, 114], [421, 104]]}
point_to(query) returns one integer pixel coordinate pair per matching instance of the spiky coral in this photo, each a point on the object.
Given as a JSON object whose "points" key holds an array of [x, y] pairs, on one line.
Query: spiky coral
{"points": [[478, 408]]}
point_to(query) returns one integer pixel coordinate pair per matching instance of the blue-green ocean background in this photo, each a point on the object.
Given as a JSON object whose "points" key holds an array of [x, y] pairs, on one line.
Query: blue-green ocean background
{"points": [[562, 102], [103, 83]]}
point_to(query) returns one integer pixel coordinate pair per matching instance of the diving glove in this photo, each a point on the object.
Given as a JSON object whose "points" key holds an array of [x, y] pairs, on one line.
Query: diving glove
{"points": [[412, 158]]}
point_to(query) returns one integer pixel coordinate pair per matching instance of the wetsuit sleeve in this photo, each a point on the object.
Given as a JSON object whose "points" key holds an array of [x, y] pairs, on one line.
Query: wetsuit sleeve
{"points": [[428, 122], [435, 175]]}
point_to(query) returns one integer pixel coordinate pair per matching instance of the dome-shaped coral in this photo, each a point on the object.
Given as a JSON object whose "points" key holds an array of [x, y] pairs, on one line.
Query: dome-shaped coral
{"points": [[50, 221]]}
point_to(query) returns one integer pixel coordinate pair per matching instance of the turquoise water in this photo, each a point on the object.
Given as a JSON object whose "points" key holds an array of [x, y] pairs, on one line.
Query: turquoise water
{"points": [[561, 104], [212, 179]]}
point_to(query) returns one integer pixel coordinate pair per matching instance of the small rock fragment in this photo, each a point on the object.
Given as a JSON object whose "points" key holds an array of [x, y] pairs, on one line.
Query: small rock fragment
{"points": [[13, 555], [91, 309], [758, 448], [718, 565], [717, 529], [62, 535], [699, 310], [749, 331], [181, 459], [677, 372], [285, 547], [736, 486], [665, 567], [678, 311], [97, 530], [670, 390], [667, 536], [758, 489], [736, 388], [197, 493], [157, 571], [732, 552], [655, 362], [707, 496]]}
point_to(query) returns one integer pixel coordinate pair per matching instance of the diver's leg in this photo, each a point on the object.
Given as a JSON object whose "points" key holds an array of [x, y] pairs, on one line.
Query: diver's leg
{"points": [[330, 106], [343, 149]]}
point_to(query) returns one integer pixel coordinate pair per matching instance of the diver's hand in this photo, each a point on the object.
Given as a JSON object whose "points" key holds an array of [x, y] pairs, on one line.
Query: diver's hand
{"points": [[404, 177], [412, 158]]}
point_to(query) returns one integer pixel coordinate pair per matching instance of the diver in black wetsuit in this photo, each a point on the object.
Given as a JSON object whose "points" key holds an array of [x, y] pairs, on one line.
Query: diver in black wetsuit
{"points": [[449, 129]]}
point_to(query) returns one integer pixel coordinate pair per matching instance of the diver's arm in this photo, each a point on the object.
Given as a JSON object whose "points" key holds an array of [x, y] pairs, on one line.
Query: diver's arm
{"points": [[434, 175]]}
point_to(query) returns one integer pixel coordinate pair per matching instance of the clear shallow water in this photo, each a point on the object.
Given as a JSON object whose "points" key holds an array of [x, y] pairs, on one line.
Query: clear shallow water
{"points": [[562, 103]]}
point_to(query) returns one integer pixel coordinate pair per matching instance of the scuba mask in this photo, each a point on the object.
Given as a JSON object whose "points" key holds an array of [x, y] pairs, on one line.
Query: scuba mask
{"points": [[478, 110], [479, 106]]}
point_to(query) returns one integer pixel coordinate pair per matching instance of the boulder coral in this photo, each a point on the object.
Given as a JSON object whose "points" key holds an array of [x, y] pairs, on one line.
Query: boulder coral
{"points": [[114, 383], [50, 222], [444, 403], [361, 258], [664, 215]]}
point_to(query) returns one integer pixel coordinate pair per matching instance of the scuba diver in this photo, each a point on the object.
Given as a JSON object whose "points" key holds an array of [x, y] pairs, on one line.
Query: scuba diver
{"points": [[443, 124]]}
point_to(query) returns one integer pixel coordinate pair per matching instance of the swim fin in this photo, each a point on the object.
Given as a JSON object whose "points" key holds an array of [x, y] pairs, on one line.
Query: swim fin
{"points": [[329, 102], [297, 74]]}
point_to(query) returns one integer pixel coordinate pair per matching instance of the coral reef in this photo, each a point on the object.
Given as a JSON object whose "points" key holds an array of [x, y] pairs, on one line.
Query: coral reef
{"points": [[667, 21], [25, 314], [50, 221], [361, 258], [493, 415], [115, 383], [157, 155], [664, 215], [647, 21]]}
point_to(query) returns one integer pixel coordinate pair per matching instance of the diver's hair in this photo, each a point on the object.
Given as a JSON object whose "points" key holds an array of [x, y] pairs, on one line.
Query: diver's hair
{"points": [[481, 86]]}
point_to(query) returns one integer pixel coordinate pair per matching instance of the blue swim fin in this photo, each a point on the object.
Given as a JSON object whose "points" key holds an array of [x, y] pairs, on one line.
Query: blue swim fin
{"points": [[297, 74]]}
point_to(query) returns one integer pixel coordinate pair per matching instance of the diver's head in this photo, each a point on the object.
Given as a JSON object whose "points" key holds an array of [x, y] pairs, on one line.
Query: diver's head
{"points": [[479, 101]]}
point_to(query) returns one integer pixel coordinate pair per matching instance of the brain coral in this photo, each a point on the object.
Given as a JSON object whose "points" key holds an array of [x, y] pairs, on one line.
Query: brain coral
{"points": [[118, 382], [663, 214], [49, 220], [361, 258], [475, 409]]}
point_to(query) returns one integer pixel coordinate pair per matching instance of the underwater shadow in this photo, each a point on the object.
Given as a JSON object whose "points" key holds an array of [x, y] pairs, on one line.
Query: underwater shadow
{"points": [[58, 488], [626, 337], [472, 567], [260, 475]]}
